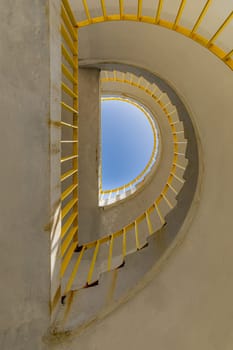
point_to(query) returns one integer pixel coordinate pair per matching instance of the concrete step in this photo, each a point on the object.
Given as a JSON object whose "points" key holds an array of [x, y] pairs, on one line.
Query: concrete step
{"points": [[153, 220]]}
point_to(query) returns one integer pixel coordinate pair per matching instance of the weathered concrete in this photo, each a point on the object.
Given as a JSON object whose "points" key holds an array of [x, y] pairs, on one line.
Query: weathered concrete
{"points": [[189, 304], [89, 126], [122, 213], [25, 175]]}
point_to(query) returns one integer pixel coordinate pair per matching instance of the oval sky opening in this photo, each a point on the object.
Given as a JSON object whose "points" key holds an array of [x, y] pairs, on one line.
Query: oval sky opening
{"points": [[127, 142]]}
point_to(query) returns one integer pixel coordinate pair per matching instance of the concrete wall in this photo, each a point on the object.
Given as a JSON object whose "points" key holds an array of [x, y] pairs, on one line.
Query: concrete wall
{"points": [[189, 303], [89, 127], [25, 172]]}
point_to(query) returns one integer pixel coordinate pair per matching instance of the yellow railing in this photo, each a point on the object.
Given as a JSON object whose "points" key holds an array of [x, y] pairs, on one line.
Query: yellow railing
{"points": [[69, 131], [156, 19], [69, 141], [107, 243], [69, 136], [110, 196]]}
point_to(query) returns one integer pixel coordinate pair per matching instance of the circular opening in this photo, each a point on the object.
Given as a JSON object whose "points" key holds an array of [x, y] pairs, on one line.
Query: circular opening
{"points": [[128, 145]]}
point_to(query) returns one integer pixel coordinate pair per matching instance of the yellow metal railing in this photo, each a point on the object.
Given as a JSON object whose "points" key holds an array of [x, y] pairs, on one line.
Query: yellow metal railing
{"points": [[132, 80], [156, 19], [77, 278], [69, 136], [69, 142]]}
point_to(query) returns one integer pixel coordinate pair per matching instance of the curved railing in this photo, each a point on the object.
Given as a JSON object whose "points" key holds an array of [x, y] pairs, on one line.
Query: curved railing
{"points": [[68, 134], [156, 19], [71, 265], [86, 276]]}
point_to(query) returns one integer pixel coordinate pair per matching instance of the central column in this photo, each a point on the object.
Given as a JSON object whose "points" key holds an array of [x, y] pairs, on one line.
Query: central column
{"points": [[89, 138]]}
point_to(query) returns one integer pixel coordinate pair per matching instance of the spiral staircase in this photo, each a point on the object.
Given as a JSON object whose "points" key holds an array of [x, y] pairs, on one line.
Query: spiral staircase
{"points": [[162, 242]]}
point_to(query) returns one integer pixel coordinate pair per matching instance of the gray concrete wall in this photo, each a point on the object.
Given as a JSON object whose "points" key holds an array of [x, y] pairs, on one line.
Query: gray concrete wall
{"points": [[25, 172], [89, 126]]}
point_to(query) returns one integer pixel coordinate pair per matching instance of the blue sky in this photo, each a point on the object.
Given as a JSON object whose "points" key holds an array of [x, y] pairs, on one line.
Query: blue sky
{"points": [[127, 142]]}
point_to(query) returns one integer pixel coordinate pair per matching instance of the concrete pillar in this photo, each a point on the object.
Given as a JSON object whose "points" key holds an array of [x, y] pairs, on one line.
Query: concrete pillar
{"points": [[89, 126], [26, 85]]}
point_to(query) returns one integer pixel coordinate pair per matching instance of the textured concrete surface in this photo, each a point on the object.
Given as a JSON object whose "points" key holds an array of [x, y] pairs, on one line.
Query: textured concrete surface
{"points": [[115, 217], [89, 126], [189, 303], [24, 212]]}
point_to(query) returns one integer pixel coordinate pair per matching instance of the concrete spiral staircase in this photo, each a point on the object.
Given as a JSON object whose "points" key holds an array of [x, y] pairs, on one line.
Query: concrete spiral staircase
{"points": [[109, 252], [126, 85], [178, 57]]}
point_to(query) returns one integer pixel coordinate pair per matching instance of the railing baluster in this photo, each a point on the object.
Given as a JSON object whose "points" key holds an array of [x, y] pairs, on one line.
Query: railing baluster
{"points": [[124, 243], [166, 200], [69, 52], [68, 22], [110, 253], [149, 224], [69, 12], [104, 11], [68, 39], [121, 6], [70, 92], [179, 13], [67, 258], [68, 239], [139, 13], [75, 270], [67, 56], [67, 224], [172, 188], [93, 261], [136, 234], [68, 191], [65, 159], [228, 56], [75, 130], [87, 10], [158, 12], [68, 207], [220, 29], [69, 108], [159, 214], [68, 174], [68, 74], [68, 125], [200, 18], [178, 178]]}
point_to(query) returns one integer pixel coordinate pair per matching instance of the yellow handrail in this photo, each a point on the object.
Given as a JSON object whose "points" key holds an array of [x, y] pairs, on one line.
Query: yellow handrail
{"points": [[69, 119], [69, 209], [109, 239], [191, 33]]}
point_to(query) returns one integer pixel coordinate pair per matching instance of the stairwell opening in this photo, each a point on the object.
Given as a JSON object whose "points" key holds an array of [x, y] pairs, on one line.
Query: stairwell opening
{"points": [[129, 147]]}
